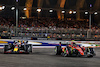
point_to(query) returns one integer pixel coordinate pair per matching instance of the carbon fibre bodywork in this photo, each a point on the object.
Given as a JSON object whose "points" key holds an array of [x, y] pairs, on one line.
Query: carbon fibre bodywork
{"points": [[16, 49]]}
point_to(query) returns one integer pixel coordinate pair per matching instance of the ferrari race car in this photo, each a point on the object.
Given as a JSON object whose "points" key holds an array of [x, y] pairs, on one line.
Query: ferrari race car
{"points": [[18, 47], [74, 50]]}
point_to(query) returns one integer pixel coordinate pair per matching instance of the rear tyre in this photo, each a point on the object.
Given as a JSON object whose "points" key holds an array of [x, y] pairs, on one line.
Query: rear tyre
{"points": [[88, 55], [5, 48], [58, 50]]}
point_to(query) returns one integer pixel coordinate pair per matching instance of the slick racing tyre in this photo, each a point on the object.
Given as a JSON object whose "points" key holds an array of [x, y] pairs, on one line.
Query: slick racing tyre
{"points": [[89, 55], [64, 54], [30, 48], [5, 48], [58, 50], [26, 48], [89, 52]]}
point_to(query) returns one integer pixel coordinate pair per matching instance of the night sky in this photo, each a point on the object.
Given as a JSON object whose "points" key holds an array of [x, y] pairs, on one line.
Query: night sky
{"points": [[69, 3]]}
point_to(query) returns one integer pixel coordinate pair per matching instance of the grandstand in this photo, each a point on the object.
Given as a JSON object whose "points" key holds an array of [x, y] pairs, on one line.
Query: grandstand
{"points": [[62, 19]]}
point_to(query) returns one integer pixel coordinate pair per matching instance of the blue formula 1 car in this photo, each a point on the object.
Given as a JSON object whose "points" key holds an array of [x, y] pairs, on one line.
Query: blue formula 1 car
{"points": [[18, 47]]}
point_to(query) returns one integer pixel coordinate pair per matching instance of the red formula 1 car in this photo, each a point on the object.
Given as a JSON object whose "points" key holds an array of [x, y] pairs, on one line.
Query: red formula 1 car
{"points": [[74, 50]]}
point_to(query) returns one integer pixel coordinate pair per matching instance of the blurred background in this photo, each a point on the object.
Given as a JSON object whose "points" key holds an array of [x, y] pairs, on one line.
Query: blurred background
{"points": [[57, 19]]}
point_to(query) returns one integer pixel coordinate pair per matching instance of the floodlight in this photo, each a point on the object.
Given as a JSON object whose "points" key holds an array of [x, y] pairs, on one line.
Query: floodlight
{"points": [[12, 8], [95, 13], [50, 11], [86, 12], [74, 12], [70, 12], [39, 10], [25, 9], [63, 11]]}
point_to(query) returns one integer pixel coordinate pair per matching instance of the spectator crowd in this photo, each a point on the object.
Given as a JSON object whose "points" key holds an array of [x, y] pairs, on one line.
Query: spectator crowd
{"points": [[76, 28], [46, 22]]}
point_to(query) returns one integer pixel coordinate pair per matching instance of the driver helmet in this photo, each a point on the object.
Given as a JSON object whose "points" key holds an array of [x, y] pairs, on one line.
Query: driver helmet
{"points": [[26, 41], [14, 41], [74, 44], [19, 41], [23, 41]]}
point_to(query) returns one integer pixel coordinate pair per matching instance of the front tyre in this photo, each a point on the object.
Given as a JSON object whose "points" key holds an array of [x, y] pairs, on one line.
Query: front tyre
{"points": [[89, 55], [30, 48]]}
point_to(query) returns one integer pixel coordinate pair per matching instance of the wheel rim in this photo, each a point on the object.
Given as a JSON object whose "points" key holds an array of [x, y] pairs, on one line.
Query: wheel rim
{"points": [[55, 49]]}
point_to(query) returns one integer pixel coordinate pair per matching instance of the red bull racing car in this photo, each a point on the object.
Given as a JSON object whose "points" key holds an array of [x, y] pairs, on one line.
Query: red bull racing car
{"points": [[18, 47], [74, 50]]}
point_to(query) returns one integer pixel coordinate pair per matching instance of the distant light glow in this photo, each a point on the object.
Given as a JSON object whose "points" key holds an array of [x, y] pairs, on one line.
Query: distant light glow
{"points": [[86, 12], [95, 13], [39, 10], [25, 9], [12, 8], [23, 17], [74, 12], [50, 10], [0, 8], [16, 0], [70, 12], [3, 7], [63, 11], [90, 5]]}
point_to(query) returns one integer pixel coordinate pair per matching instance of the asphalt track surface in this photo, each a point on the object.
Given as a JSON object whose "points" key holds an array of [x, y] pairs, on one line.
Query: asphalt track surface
{"points": [[47, 58]]}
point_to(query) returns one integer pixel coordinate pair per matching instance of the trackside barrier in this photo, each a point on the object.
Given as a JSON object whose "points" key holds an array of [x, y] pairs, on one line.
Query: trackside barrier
{"points": [[49, 43]]}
